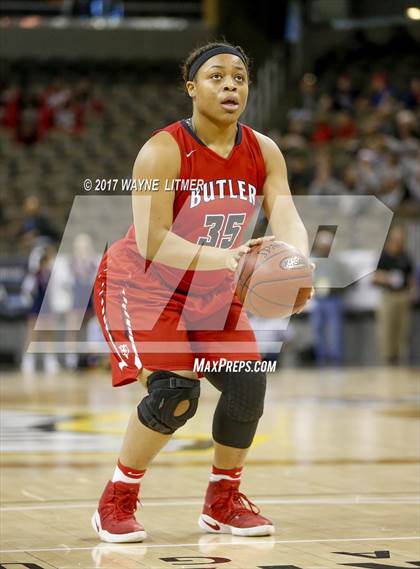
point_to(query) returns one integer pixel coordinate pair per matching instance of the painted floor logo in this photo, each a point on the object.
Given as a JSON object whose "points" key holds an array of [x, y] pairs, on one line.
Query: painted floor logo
{"points": [[22, 431]]}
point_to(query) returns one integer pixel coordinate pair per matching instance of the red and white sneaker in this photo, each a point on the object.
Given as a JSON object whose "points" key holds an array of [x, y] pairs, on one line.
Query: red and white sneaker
{"points": [[226, 510], [114, 519]]}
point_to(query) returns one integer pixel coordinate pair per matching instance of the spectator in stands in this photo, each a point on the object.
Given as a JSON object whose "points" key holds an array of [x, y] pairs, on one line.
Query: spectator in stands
{"points": [[391, 189], [65, 117], [323, 132], [34, 287], [395, 277], [379, 89], [308, 96], [27, 126], [350, 178], [82, 268], [299, 171], [408, 140], [324, 183], [35, 226], [84, 101], [327, 307], [367, 172], [412, 97], [10, 107], [325, 104], [345, 127], [294, 138], [344, 94], [57, 94], [411, 172]]}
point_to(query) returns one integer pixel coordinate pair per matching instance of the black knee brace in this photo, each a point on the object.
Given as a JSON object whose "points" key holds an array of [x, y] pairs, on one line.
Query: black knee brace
{"points": [[240, 406], [166, 390]]}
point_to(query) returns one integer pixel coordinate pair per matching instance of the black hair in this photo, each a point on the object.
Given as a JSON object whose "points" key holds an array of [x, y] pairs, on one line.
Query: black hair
{"points": [[195, 53]]}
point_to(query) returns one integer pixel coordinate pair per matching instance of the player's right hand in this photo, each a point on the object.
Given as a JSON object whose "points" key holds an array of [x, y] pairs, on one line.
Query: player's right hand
{"points": [[233, 256]]}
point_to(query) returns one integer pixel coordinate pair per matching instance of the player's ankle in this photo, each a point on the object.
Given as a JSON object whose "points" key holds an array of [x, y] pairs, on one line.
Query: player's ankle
{"points": [[225, 473], [126, 474]]}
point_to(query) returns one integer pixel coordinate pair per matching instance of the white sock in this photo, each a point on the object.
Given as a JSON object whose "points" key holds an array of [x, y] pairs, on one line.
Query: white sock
{"points": [[125, 474], [225, 474]]}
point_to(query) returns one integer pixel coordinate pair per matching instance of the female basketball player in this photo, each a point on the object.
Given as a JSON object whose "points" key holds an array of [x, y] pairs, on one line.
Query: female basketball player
{"points": [[164, 293]]}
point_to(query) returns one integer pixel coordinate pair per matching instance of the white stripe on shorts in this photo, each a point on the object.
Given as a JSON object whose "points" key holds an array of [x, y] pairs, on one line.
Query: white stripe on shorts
{"points": [[137, 361], [122, 364]]}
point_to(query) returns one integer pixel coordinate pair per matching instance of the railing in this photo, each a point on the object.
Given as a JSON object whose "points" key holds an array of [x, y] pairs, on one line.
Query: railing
{"points": [[191, 9]]}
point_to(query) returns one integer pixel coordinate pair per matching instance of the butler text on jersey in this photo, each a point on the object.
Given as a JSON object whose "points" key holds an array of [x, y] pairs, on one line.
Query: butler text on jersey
{"points": [[223, 188]]}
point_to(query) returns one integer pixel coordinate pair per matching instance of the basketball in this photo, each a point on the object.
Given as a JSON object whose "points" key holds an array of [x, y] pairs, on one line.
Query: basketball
{"points": [[275, 280]]}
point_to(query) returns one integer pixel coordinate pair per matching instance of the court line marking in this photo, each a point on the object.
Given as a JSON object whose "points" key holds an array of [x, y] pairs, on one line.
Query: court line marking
{"points": [[197, 544], [363, 500]]}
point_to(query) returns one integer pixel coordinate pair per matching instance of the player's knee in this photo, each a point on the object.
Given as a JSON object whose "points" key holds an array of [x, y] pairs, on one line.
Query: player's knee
{"points": [[239, 409], [171, 401], [244, 396]]}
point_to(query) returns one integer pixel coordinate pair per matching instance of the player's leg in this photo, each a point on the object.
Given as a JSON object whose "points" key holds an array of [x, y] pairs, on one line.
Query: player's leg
{"points": [[235, 422], [141, 444], [171, 398], [240, 406]]}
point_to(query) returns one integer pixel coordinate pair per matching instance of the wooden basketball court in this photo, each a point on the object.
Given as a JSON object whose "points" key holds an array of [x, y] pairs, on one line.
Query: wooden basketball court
{"points": [[335, 465]]}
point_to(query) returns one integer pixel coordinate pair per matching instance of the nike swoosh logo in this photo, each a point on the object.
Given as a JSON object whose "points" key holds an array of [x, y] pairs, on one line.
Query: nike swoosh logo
{"points": [[212, 526], [189, 153], [133, 474]]}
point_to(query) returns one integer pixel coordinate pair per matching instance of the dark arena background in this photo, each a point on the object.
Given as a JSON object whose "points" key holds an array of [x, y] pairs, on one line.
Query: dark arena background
{"points": [[335, 462]]}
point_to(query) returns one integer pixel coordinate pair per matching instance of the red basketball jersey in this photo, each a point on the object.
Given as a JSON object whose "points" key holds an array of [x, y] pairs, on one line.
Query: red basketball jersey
{"points": [[215, 199]]}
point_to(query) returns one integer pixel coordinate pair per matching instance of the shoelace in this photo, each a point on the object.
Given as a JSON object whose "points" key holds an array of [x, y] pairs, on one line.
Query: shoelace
{"points": [[237, 502], [126, 505]]}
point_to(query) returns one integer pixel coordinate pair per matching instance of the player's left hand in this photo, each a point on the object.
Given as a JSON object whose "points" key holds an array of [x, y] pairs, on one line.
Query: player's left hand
{"points": [[235, 255], [259, 240]]}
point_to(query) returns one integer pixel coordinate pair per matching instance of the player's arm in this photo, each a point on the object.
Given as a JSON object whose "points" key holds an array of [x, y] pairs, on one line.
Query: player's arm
{"points": [[160, 160], [279, 208]]}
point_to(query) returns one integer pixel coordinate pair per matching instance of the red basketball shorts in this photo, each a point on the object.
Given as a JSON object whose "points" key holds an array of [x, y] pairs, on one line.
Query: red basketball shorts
{"points": [[148, 325]]}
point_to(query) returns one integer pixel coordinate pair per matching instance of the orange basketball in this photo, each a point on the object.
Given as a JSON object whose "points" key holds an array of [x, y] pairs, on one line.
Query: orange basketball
{"points": [[275, 280]]}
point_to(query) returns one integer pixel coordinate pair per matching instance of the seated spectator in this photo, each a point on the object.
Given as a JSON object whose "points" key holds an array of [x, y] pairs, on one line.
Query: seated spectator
{"points": [[27, 126], [10, 105], [299, 171], [350, 179], [408, 142], [379, 89], [323, 132], [35, 225], [325, 104], [391, 188], [367, 172], [65, 117], [412, 96], [324, 183], [294, 138], [35, 286], [345, 127], [411, 173], [344, 94], [308, 93]]}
